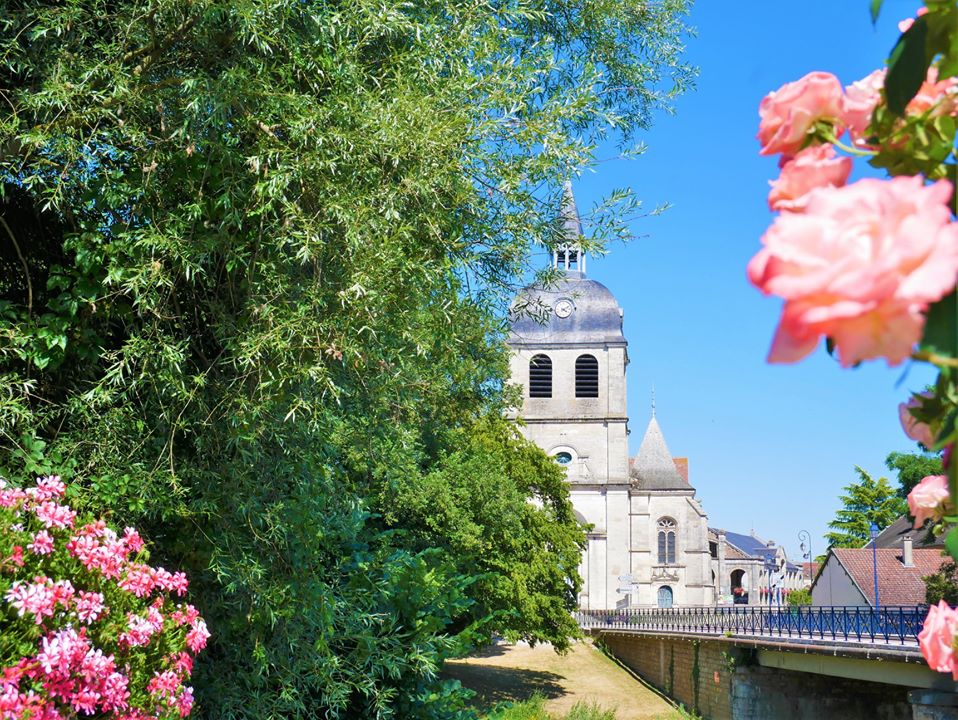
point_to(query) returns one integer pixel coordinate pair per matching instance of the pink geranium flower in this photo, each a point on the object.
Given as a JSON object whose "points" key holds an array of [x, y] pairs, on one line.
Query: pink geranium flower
{"points": [[860, 265], [787, 115], [42, 543], [197, 636], [928, 498], [54, 515], [937, 638], [814, 167]]}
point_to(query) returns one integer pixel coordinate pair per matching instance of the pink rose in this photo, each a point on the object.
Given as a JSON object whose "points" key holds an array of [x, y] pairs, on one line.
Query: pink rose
{"points": [[815, 166], [790, 112], [859, 102], [860, 266], [916, 430], [937, 638], [927, 498], [940, 97]]}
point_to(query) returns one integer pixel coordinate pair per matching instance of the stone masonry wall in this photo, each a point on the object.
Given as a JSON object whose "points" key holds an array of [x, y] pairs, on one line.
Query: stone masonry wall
{"points": [[697, 673], [719, 682]]}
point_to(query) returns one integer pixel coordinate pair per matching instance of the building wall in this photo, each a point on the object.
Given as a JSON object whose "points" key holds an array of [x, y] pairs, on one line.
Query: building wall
{"points": [[594, 429], [835, 586]]}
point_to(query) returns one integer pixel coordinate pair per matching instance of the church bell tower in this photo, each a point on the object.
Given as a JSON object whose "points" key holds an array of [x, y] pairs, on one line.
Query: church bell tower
{"points": [[570, 356]]}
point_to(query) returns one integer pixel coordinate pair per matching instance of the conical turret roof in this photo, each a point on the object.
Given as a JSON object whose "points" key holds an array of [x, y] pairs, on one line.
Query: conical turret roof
{"points": [[654, 468]]}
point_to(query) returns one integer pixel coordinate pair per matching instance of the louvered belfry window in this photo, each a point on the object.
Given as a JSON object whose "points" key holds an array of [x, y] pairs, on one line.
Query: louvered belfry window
{"points": [[586, 377], [540, 377]]}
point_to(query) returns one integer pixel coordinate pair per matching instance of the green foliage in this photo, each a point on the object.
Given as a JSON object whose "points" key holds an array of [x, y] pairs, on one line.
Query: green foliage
{"points": [[802, 596], [865, 502], [534, 709], [474, 504], [912, 468], [253, 264], [942, 585]]}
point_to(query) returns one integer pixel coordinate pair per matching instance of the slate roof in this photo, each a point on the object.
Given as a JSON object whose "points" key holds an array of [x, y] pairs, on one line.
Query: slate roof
{"points": [[892, 536], [597, 318], [654, 468], [750, 545], [897, 584]]}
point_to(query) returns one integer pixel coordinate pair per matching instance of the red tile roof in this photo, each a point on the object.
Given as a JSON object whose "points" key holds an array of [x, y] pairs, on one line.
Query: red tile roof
{"points": [[897, 584]]}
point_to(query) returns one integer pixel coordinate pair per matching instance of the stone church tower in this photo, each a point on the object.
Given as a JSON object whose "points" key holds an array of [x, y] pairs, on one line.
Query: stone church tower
{"points": [[648, 542]]}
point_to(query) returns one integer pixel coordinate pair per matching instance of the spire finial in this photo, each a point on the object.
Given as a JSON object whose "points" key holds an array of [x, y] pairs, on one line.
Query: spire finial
{"points": [[653, 401]]}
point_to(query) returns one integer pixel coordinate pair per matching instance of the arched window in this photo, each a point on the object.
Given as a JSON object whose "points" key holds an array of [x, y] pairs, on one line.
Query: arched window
{"points": [[666, 541], [586, 377], [540, 377]]}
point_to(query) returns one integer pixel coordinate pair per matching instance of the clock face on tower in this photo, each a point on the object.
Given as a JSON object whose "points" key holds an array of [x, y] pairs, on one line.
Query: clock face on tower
{"points": [[564, 308]]}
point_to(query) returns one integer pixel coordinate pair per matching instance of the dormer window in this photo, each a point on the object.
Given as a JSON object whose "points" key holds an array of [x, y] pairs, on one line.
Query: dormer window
{"points": [[586, 377], [540, 377]]}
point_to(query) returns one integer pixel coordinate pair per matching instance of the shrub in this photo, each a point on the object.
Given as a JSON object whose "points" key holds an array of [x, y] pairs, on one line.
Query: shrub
{"points": [[86, 626]]}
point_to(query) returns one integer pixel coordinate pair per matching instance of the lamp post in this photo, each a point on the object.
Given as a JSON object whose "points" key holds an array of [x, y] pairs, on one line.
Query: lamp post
{"points": [[873, 531], [806, 539]]}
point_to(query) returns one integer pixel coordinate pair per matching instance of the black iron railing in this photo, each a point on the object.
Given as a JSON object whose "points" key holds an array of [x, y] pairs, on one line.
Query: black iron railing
{"points": [[893, 625]]}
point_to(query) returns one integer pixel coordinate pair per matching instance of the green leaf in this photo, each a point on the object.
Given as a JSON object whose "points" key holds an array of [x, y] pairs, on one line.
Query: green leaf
{"points": [[875, 8], [907, 67], [951, 543], [941, 328]]}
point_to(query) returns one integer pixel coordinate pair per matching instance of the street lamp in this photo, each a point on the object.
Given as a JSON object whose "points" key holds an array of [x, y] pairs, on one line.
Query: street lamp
{"points": [[806, 546], [873, 531]]}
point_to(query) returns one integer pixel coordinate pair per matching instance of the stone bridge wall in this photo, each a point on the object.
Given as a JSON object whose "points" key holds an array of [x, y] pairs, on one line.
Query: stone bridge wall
{"points": [[720, 681], [697, 673]]}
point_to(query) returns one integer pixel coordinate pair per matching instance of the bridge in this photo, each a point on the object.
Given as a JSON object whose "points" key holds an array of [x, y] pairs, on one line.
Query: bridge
{"points": [[767, 662]]}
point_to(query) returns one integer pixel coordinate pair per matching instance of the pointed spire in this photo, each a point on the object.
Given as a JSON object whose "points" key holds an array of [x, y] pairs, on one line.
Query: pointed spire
{"points": [[571, 225], [654, 467]]}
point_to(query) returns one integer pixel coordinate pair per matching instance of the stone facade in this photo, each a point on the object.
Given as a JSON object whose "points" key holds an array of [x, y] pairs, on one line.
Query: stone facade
{"points": [[648, 539]]}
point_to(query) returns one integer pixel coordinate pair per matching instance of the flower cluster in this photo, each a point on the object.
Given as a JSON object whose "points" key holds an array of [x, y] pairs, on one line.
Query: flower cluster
{"points": [[859, 264], [107, 637], [866, 264]]}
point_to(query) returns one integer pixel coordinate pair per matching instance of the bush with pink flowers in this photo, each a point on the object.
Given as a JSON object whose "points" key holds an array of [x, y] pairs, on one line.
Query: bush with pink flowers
{"points": [[872, 267], [86, 626]]}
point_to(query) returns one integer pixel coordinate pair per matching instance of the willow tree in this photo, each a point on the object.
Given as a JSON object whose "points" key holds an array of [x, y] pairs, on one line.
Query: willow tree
{"points": [[253, 260]]}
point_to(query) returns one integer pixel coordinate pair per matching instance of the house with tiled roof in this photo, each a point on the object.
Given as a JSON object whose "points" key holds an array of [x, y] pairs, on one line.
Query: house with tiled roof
{"points": [[751, 571], [847, 576]]}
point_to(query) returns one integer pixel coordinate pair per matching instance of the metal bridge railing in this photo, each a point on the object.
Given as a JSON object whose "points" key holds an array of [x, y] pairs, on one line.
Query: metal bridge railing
{"points": [[890, 625]]}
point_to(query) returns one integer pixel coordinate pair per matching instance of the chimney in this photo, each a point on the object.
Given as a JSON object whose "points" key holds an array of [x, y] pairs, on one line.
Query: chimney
{"points": [[907, 556]]}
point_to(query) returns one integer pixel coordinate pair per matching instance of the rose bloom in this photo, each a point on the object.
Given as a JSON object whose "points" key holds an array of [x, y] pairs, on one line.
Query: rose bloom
{"points": [[937, 638], [787, 114], [859, 102], [939, 97], [813, 167], [927, 498], [916, 430], [860, 265]]}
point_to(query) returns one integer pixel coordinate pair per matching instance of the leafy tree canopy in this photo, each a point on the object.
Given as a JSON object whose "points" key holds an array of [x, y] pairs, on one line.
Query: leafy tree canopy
{"points": [[254, 257], [865, 502], [912, 468]]}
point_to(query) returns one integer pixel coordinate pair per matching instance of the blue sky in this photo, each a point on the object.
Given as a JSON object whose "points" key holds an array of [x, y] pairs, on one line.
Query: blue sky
{"points": [[770, 447]]}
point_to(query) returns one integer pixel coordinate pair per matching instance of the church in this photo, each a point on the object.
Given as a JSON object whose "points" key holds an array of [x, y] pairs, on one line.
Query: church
{"points": [[648, 539]]}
